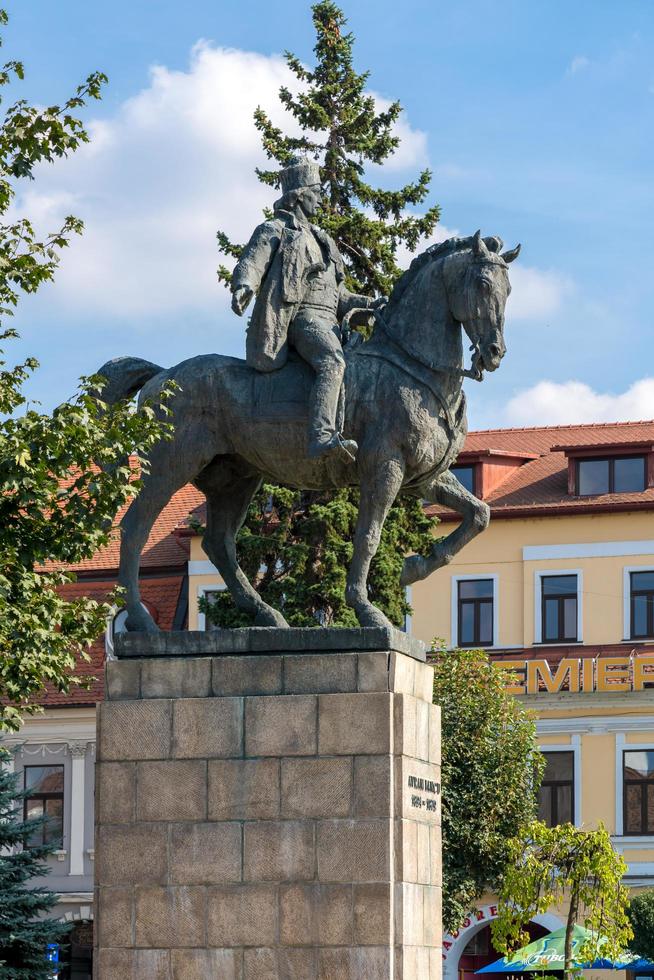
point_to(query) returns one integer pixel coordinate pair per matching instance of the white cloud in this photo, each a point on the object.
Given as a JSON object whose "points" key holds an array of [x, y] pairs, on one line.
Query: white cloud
{"points": [[412, 151], [578, 63], [441, 232], [536, 293], [170, 167], [572, 402]]}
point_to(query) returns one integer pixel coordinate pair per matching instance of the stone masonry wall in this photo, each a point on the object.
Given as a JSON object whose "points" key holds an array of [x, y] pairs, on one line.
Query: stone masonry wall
{"points": [[270, 816]]}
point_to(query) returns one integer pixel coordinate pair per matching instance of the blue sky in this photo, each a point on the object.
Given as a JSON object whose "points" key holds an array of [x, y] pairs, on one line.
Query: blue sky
{"points": [[536, 119]]}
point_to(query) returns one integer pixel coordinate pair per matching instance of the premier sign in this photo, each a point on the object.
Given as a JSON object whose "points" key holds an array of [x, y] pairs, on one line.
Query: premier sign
{"points": [[575, 675]]}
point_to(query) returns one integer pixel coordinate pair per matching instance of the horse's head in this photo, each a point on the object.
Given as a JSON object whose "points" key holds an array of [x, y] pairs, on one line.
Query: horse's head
{"points": [[478, 300]]}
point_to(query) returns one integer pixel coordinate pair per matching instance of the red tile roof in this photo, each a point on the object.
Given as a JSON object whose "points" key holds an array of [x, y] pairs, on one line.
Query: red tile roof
{"points": [[541, 485], [160, 594]]}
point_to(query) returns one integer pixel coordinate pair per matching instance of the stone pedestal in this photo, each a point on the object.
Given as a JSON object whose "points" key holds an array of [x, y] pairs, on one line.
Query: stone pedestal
{"points": [[265, 815]]}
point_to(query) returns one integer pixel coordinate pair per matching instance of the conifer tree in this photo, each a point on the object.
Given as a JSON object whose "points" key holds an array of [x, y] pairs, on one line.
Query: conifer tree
{"points": [[304, 540], [25, 932]]}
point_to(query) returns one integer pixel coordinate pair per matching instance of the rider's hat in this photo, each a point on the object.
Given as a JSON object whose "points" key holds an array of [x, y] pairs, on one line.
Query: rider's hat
{"points": [[301, 172]]}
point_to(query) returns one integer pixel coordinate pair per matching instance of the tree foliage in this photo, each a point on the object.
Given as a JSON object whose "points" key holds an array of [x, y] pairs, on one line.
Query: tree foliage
{"points": [[24, 930], [641, 917], [305, 544], [342, 126], [549, 865], [56, 505], [295, 547], [491, 772]]}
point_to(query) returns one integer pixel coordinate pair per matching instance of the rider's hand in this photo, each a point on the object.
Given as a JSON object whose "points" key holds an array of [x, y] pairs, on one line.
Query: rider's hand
{"points": [[240, 299]]}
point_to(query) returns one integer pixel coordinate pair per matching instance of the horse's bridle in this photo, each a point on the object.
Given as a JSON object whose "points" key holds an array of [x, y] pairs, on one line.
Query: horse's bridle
{"points": [[475, 373]]}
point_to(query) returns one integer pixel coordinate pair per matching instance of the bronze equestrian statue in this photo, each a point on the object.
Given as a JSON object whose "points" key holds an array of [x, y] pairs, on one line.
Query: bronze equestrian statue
{"points": [[239, 422]]}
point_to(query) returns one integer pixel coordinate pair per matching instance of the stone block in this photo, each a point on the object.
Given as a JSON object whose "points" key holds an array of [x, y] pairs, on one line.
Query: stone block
{"points": [[151, 964], [435, 734], [115, 792], [330, 673], [297, 964], [206, 964], [315, 915], [131, 855], [372, 917], [122, 680], [362, 963], [409, 914], [402, 674], [115, 963], [244, 789], [170, 916], [432, 916], [278, 850], [171, 790], [406, 850], [435, 848], [372, 786], [435, 964], [422, 729], [354, 724], [205, 853], [374, 672], [242, 915], [207, 728], [115, 918], [241, 676], [316, 787], [424, 864], [353, 850], [424, 683], [404, 725], [176, 677], [260, 964], [134, 730], [280, 726]]}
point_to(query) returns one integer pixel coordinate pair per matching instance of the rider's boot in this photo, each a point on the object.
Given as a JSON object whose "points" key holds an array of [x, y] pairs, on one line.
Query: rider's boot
{"points": [[324, 438]]}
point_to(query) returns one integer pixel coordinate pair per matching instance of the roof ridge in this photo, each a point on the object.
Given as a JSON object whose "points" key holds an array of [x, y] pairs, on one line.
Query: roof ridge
{"points": [[549, 428]]}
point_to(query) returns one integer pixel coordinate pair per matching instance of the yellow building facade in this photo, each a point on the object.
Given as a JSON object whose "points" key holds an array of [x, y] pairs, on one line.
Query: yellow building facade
{"points": [[560, 588]]}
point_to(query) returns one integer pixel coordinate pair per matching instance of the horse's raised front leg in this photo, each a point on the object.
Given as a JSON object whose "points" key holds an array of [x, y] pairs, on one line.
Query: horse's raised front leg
{"points": [[447, 490], [380, 483]]}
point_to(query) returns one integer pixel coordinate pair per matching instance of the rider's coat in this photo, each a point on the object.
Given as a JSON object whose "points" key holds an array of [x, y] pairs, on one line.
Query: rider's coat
{"points": [[291, 265]]}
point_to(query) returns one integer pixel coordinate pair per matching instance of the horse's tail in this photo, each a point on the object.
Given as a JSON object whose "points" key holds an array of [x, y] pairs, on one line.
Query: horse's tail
{"points": [[124, 376]]}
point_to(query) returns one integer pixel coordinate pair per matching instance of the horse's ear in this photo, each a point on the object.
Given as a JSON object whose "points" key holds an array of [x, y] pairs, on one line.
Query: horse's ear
{"points": [[479, 246], [512, 254]]}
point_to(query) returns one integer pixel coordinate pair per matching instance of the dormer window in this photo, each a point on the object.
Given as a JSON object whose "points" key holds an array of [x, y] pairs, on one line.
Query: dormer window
{"points": [[612, 467], [617, 474], [466, 476]]}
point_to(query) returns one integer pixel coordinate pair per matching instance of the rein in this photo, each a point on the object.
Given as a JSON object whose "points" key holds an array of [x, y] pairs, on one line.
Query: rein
{"points": [[474, 373]]}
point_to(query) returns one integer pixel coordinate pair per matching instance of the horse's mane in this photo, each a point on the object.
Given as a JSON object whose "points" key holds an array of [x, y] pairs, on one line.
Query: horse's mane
{"points": [[436, 251]]}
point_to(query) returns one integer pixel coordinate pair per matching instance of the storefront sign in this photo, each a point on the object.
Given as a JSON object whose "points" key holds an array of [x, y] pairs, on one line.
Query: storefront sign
{"points": [[573, 675], [486, 913]]}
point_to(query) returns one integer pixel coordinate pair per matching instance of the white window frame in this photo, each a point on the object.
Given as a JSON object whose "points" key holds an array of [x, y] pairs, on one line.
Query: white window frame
{"points": [[622, 746], [454, 612], [573, 746], [538, 603], [202, 591], [626, 597]]}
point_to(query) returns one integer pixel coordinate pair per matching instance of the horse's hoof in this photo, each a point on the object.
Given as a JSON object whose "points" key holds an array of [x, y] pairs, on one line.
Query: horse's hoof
{"points": [[269, 617], [371, 616]]}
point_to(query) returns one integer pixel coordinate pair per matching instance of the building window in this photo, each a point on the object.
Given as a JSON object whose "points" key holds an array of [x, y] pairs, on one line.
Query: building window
{"points": [[475, 612], [559, 608], [209, 595], [45, 785], [642, 605], [556, 802], [638, 782], [465, 475], [618, 474]]}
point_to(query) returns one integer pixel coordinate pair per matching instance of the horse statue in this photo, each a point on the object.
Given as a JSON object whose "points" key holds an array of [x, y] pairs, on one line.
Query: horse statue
{"points": [[403, 404]]}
